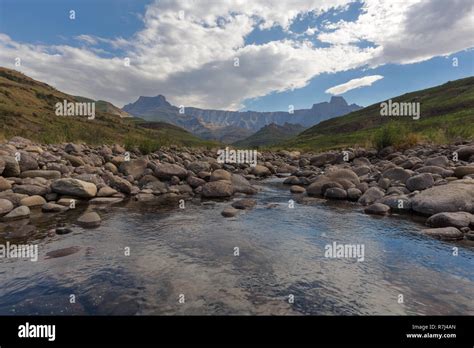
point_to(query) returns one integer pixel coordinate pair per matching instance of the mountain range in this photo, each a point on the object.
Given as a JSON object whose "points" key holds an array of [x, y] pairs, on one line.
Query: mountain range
{"points": [[232, 126]]}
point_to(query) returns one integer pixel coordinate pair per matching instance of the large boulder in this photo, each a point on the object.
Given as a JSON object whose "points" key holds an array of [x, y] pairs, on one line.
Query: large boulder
{"points": [[260, 170], [5, 206], [199, 166], [465, 152], [343, 174], [20, 212], [439, 161], [460, 172], [324, 158], [377, 209], [371, 196], [335, 193], [458, 219], [12, 167], [31, 190], [134, 168], [221, 174], [420, 182], [27, 162], [74, 187], [455, 196], [33, 201], [217, 189], [120, 184], [242, 185], [89, 220], [444, 233], [166, 171], [315, 189], [397, 174]]}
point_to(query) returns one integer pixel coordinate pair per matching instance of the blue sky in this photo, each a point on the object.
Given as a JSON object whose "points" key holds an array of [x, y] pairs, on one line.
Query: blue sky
{"points": [[290, 54]]}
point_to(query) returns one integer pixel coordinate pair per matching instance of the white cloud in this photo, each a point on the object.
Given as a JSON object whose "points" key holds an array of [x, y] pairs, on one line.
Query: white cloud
{"points": [[188, 56], [353, 84]]}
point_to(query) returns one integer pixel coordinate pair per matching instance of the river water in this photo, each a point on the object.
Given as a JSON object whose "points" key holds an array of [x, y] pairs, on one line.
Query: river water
{"points": [[183, 261]]}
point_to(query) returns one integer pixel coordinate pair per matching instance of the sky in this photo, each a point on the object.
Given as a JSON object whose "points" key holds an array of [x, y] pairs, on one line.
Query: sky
{"points": [[262, 55]]}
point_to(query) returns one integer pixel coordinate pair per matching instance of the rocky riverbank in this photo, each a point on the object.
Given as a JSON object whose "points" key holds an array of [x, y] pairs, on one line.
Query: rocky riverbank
{"points": [[433, 181]]}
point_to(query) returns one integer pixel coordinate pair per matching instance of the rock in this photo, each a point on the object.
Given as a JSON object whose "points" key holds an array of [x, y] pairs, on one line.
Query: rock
{"points": [[315, 189], [221, 174], [20, 212], [111, 167], [166, 171], [2, 165], [62, 230], [457, 219], [106, 191], [335, 193], [53, 208], [397, 174], [465, 152], [120, 184], [5, 206], [27, 162], [74, 160], [105, 200], [420, 182], [361, 161], [90, 219], [343, 174], [396, 202], [245, 203], [242, 185], [12, 168], [460, 172], [46, 174], [469, 235], [31, 190], [199, 166], [260, 171], [229, 212], [324, 158], [436, 170], [74, 187], [216, 189], [4, 184], [134, 168], [353, 194], [297, 189], [362, 170], [377, 209], [329, 185], [455, 196], [371, 195], [439, 161], [73, 148], [33, 201], [444, 233], [195, 181], [62, 252]]}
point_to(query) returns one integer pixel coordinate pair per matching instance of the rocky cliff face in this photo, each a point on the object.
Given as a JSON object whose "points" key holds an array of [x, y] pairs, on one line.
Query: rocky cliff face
{"points": [[210, 123]]}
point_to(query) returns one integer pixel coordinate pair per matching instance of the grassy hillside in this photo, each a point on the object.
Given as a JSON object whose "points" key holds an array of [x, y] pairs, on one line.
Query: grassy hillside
{"points": [[447, 114], [270, 135], [27, 109]]}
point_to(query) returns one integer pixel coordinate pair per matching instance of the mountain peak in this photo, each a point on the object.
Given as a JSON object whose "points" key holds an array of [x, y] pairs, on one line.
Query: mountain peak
{"points": [[338, 100]]}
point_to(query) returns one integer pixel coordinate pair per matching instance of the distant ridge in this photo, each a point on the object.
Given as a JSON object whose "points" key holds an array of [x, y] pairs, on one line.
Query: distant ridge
{"points": [[214, 124]]}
